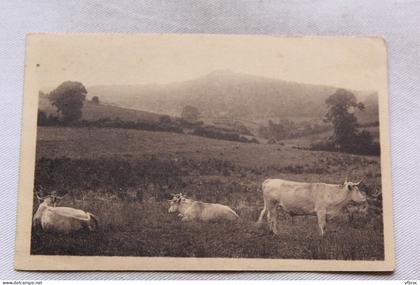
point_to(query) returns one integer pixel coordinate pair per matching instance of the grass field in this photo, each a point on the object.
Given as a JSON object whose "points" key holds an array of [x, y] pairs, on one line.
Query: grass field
{"points": [[125, 177]]}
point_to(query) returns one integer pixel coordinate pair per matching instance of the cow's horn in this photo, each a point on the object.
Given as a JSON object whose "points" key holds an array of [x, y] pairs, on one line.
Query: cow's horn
{"points": [[38, 197], [360, 181], [377, 193]]}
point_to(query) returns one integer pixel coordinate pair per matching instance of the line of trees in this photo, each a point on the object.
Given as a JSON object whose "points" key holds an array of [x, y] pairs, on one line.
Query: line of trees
{"points": [[287, 129]]}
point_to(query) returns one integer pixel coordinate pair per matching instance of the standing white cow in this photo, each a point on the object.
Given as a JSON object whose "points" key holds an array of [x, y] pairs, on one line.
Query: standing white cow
{"points": [[298, 198], [62, 219], [191, 210]]}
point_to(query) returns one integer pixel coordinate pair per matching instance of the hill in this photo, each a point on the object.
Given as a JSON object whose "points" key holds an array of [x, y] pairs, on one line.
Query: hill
{"points": [[227, 94]]}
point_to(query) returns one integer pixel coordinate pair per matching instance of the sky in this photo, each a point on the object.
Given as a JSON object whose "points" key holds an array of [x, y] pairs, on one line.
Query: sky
{"points": [[124, 59]]}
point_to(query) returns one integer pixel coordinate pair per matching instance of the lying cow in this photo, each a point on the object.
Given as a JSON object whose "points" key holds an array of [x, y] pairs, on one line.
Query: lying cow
{"points": [[298, 198], [62, 219], [191, 210]]}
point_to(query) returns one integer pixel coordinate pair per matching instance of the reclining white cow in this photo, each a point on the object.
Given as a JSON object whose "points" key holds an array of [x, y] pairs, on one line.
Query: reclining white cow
{"points": [[298, 198], [191, 210], [62, 219]]}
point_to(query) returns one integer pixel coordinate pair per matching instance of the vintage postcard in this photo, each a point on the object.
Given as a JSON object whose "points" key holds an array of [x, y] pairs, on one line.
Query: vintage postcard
{"points": [[205, 152]]}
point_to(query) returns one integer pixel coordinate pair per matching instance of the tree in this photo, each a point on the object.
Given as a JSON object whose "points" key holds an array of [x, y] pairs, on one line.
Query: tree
{"points": [[42, 118], [68, 98], [341, 107], [190, 114], [95, 99]]}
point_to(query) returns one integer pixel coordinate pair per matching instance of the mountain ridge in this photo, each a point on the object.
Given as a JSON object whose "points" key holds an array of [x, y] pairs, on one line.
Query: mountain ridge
{"points": [[229, 94]]}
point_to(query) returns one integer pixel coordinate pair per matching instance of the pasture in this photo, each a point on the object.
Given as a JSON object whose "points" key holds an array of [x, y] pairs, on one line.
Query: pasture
{"points": [[126, 176]]}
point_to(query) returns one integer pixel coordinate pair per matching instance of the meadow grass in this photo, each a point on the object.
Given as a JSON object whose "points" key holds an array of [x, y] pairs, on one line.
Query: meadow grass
{"points": [[205, 169], [147, 229]]}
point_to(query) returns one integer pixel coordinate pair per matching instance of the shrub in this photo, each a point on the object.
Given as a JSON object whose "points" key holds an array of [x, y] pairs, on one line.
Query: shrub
{"points": [[361, 143], [212, 132]]}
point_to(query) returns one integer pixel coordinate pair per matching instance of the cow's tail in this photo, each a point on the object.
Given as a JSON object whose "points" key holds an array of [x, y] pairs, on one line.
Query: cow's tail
{"points": [[93, 222]]}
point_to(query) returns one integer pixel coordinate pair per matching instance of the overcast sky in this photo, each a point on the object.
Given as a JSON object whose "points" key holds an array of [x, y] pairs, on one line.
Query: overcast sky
{"points": [[356, 63]]}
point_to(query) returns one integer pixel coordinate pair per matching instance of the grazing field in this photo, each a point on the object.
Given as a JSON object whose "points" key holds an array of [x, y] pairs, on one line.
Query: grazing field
{"points": [[126, 176]]}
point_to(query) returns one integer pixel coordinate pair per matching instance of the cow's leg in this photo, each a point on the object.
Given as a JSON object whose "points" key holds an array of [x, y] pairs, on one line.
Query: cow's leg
{"points": [[270, 205], [322, 220], [273, 217]]}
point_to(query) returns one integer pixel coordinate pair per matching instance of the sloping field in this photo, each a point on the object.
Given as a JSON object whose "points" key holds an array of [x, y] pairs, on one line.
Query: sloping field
{"points": [[93, 112], [135, 144]]}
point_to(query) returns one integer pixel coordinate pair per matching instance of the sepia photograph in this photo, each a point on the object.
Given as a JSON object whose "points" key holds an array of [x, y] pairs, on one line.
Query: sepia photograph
{"points": [[205, 152]]}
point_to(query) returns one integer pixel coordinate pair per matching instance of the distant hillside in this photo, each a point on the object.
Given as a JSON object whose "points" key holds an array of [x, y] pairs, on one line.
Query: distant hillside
{"points": [[226, 94], [92, 112]]}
